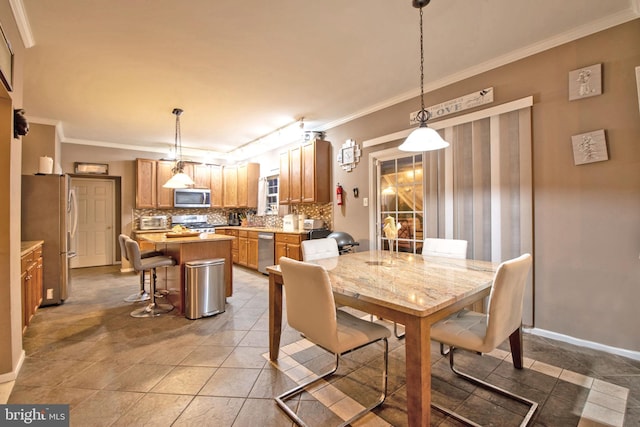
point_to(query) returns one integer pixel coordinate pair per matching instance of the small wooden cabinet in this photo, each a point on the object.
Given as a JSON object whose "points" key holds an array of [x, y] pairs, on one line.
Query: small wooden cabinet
{"points": [[146, 187], [217, 191], [32, 286], [165, 195], [248, 248], [289, 245], [241, 185], [305, 174]]}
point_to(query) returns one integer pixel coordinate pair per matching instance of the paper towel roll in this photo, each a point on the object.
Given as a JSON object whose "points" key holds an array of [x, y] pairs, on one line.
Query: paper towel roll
{"points": [[46, 165]]}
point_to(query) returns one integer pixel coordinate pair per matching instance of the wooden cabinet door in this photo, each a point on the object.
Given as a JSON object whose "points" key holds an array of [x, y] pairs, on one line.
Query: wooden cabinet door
{"points": [[216, 186], [201, 176], [294, 251], [38, 285], [316, 174], [252, 252], [280, 251], [164, 173], [241, 188], [295, 177], [284, 196], [230, 187], [243, 244], [146, 188], [25, 300]]}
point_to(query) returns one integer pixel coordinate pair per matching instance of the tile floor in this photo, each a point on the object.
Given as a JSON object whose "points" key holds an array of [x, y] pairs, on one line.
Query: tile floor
{"points": [[115, 370]]}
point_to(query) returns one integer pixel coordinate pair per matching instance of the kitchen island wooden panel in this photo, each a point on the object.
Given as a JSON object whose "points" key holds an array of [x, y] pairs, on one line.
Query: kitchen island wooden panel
{"points": [[193, 248]]}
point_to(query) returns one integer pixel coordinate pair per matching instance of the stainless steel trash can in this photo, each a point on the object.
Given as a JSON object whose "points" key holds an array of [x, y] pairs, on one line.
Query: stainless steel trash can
{"points": [[205, 293]]}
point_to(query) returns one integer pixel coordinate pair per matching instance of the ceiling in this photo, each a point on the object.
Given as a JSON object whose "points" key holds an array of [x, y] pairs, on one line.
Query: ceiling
{"points": [[110, 72]]}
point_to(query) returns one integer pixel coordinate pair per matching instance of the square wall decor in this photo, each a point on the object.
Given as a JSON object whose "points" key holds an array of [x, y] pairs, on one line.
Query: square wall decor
{"points": [[589, 147], [585, 82]]}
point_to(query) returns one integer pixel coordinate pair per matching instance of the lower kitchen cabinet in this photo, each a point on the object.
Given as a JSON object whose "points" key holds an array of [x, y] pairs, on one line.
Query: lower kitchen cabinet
{"points": [[289, 245], [32, 288], [248, 248]]}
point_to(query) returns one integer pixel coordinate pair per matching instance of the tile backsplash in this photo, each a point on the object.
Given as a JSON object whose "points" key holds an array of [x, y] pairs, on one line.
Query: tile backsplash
{"points": [[322, 211]]}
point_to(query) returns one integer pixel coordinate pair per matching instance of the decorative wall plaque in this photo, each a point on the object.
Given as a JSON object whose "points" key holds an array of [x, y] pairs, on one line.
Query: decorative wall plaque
{"points": [[589, 147], [349, 155], [585, 82]]}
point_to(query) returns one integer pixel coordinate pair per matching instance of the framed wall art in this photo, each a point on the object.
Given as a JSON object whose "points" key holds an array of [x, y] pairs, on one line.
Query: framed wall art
{"points": [[589, 147], [585, 82], [91, 168]]}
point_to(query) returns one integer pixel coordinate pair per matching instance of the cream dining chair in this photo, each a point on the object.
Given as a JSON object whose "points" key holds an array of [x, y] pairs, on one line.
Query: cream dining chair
{"points": [[319, 248], [311, 310], [448, 248], [482, 333]]}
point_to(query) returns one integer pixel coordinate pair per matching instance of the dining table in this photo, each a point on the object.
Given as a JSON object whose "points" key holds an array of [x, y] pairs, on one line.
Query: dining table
{"points": [[410, 289]]}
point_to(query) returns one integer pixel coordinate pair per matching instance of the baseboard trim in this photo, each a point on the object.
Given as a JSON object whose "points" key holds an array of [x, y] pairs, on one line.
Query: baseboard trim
{"points": [[11, 376], [635, 355], [126, 270]]}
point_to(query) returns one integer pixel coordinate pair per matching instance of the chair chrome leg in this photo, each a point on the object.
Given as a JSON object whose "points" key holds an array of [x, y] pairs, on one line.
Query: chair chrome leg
{"points": [[532, 405], [395, 331], [153, 309], [140, 296], [280, 400]]}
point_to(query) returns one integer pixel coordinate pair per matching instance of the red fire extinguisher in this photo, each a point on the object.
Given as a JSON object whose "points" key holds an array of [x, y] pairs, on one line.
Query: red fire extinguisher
{"points": [[339, 195]]}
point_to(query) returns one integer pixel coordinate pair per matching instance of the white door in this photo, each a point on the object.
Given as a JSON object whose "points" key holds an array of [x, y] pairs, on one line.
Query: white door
{"points": [[95, 235]]}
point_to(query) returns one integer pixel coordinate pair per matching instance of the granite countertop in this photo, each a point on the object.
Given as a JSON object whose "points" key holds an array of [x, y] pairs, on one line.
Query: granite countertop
{"points": [[29, 245], [202, 237]]}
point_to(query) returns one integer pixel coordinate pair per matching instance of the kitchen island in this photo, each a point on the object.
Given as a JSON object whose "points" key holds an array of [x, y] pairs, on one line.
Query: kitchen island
{"points": [[186, 248]]}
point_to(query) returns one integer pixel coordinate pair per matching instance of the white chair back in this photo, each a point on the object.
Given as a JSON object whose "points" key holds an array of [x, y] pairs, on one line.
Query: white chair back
{"points": [[506, 299], [311, 308], [319, 248], [449, 248]]}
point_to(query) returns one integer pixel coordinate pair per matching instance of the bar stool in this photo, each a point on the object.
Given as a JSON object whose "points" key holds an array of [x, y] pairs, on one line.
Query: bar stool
{"points": [[141, 295], [139, 264]]}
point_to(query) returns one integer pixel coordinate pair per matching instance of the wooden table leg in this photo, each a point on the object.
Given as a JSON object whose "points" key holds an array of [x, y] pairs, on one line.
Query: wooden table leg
{"points": [[418, 359], [275, 314]]}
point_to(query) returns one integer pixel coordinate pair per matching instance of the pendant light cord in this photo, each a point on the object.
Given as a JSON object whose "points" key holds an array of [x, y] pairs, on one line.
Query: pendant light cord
{"points": [[422, 67]]}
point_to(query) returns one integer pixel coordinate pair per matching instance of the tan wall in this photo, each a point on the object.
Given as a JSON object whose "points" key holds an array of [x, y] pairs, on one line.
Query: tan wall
{"points": [[586, 218], [39, 142]]}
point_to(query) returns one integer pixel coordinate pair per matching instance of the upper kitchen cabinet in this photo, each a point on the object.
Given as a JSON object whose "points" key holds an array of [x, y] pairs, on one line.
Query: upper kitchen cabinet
{"points": [[217, 190], [146, 188], [305, 173], [164, 173], [290, 186], [201, 176], [241, 186], [316, 172]]}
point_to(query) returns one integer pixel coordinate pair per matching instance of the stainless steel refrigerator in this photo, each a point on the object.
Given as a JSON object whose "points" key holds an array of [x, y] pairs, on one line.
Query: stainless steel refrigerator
{"points": [[49, 213]]}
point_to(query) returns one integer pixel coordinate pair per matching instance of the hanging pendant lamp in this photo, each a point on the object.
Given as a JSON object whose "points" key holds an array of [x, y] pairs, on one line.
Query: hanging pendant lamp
{"points": [[179, 178], [423, 138]]}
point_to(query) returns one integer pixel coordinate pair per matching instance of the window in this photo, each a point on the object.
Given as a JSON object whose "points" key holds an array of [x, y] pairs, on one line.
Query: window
{"points": [[272, 195]]}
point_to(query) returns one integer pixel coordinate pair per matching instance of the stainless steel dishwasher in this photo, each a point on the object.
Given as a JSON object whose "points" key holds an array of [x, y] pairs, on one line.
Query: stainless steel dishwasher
{"points": [[266, 249]]}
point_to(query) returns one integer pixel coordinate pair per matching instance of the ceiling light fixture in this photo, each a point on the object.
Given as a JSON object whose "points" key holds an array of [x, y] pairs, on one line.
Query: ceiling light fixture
{"points": [[179, 178], [423, 138]]}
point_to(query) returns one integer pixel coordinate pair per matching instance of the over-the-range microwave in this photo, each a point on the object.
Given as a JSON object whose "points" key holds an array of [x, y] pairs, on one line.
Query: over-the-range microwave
{"points": [[192, 198]]}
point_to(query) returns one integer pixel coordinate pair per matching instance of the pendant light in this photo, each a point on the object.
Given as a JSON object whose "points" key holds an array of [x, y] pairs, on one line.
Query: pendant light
{"points": [[423, 138], [179, 178]]}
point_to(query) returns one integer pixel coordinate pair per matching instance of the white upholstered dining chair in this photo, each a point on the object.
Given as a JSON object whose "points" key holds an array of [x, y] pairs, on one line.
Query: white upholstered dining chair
{"points": [[482, 333], [319, 248], [311, 310]]}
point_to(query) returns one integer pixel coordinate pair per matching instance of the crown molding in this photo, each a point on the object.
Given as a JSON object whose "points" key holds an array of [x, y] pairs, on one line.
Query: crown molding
{"points": [[579, 32], [22, 21]]}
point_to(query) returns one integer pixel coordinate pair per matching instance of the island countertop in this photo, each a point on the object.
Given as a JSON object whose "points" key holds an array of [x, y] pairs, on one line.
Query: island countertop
{"points": [[202, 237]]}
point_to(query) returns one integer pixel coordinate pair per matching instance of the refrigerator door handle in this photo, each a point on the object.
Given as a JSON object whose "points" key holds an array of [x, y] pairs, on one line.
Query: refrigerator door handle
{"points": [[73, 211]]}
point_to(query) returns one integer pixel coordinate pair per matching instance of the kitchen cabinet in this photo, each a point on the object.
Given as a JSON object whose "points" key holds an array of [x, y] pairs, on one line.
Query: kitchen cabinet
{"points": [[164, 171], [230, 196], [305, 174], [217, 190], [241, 185], [316, 175], [235, 248], [146, 187], [32, 286], [248, 248], [201, 176], [289, 245]]}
